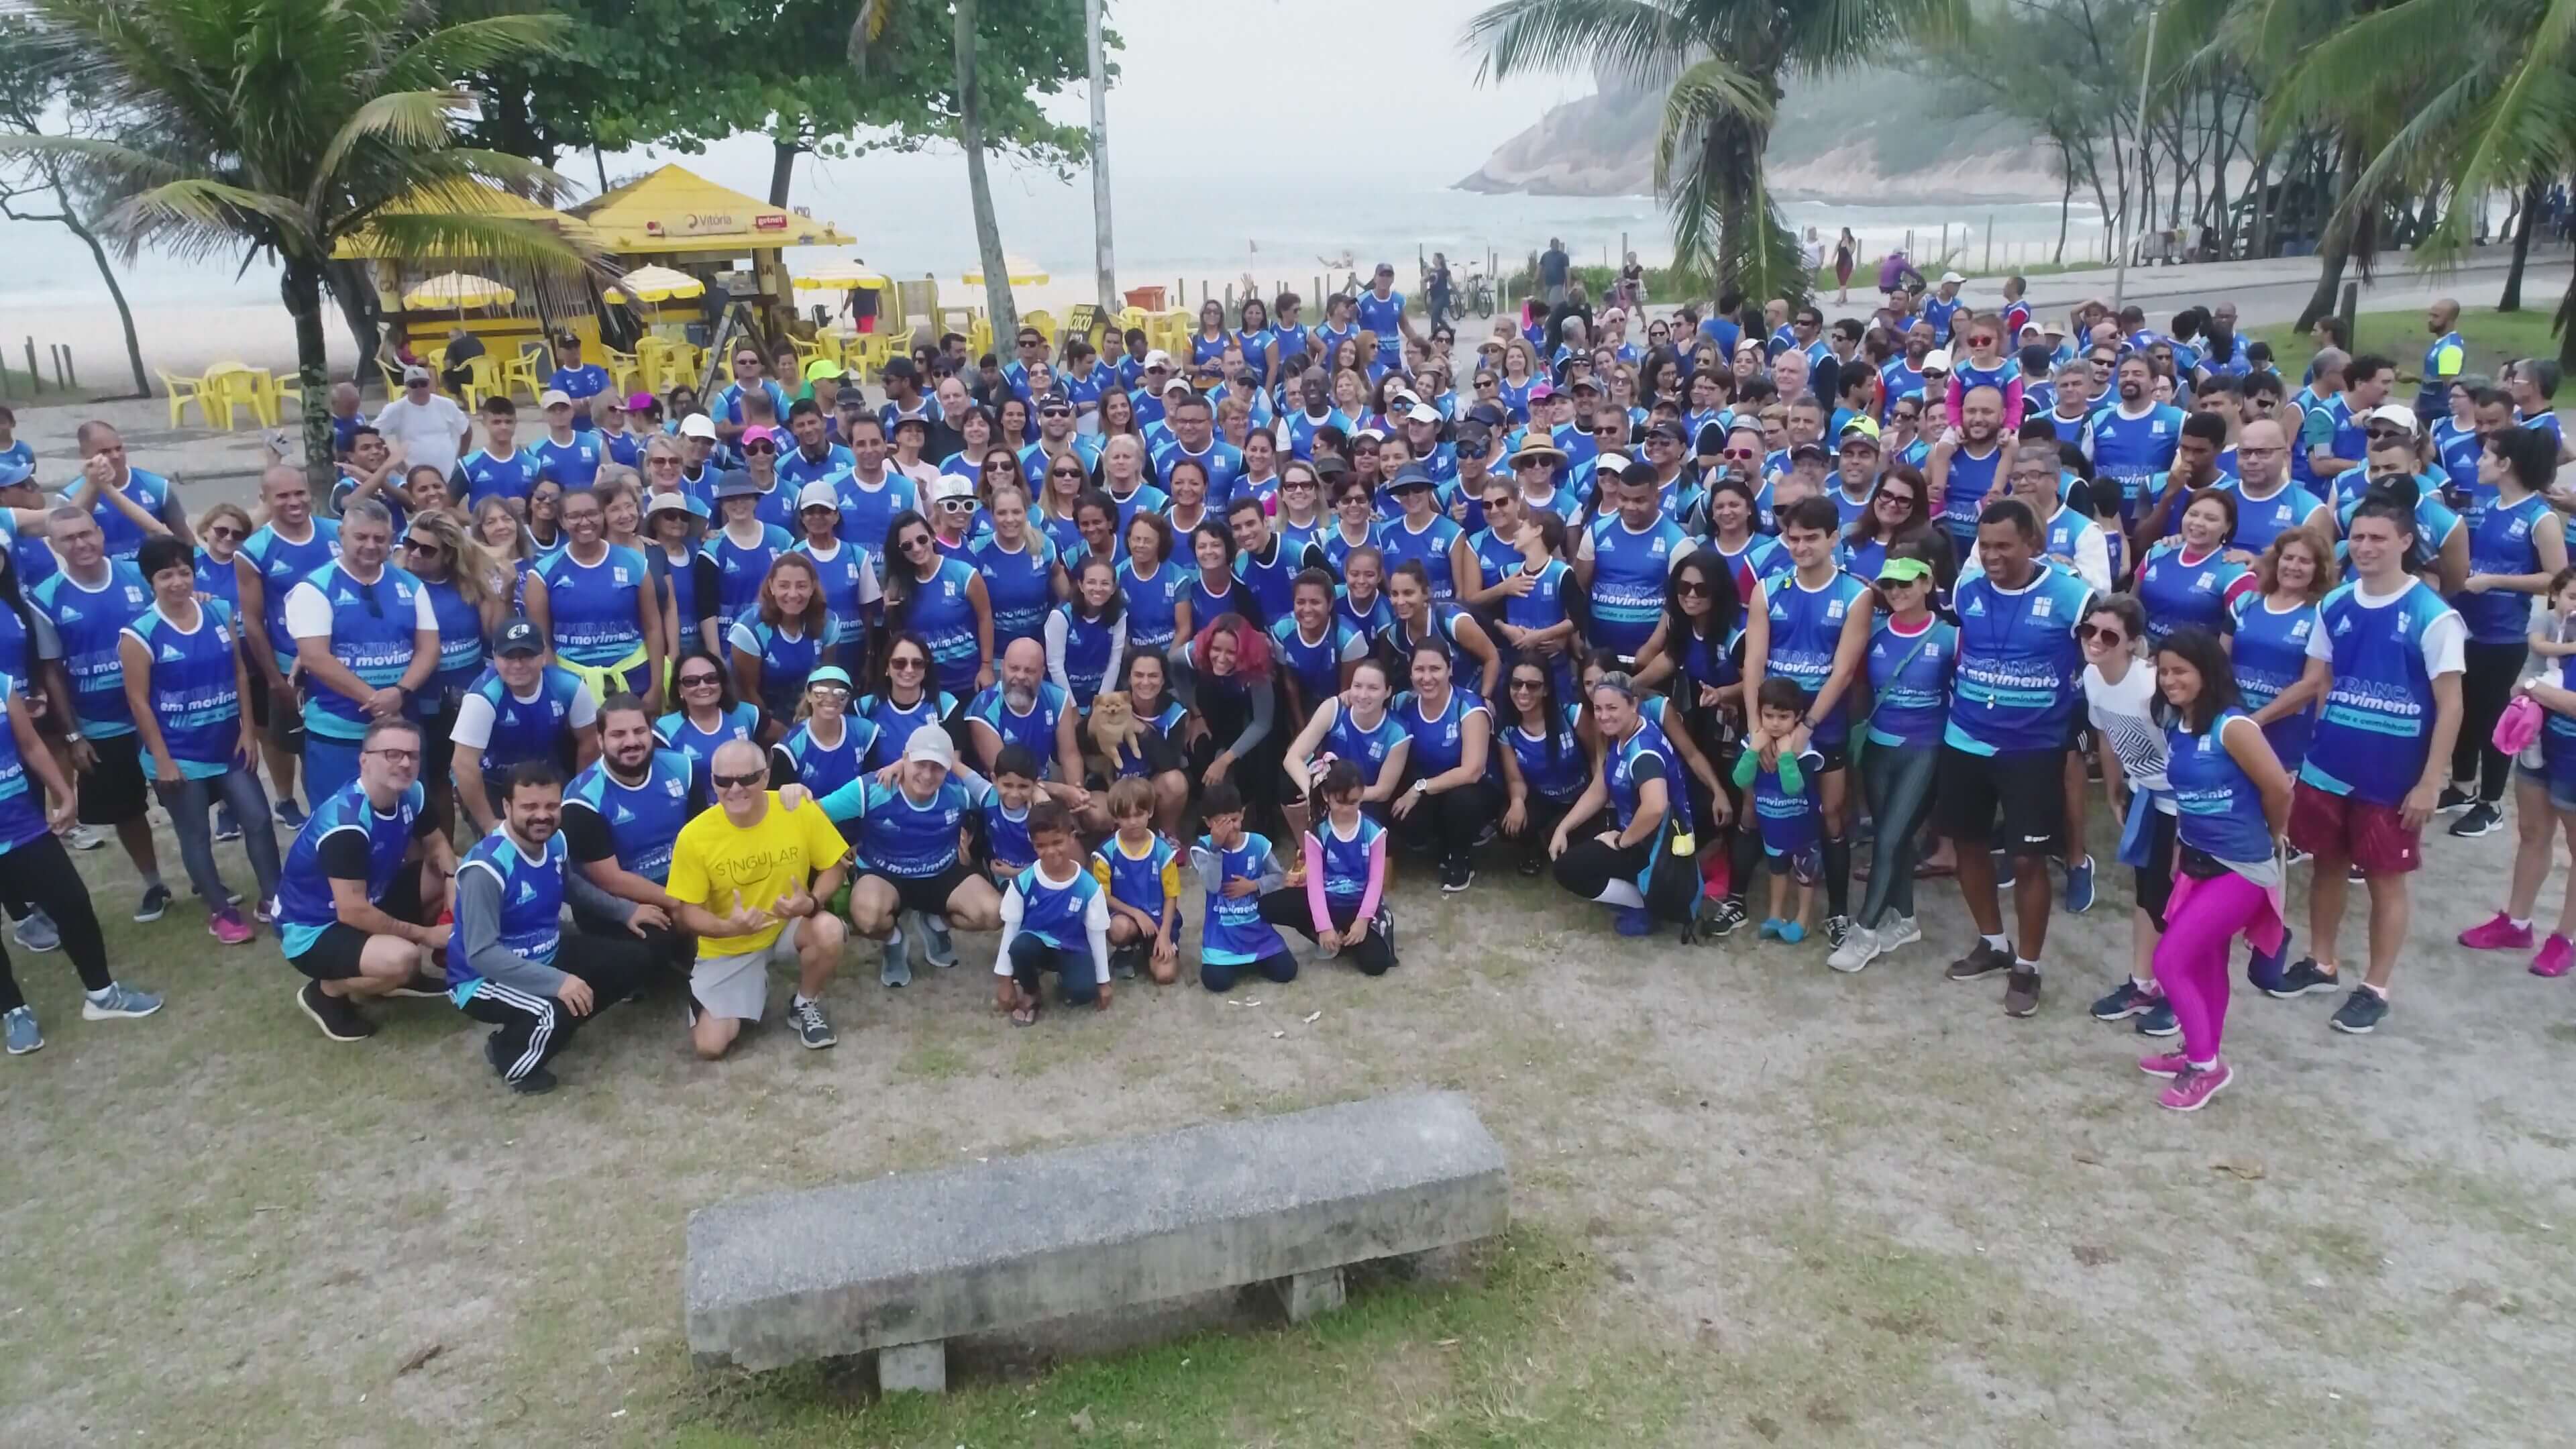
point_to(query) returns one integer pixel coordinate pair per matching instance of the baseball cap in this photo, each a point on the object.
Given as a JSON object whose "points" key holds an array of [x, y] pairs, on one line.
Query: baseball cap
{"points": [[519, 637], [1541, 389], [1670, 432], [1422, 412], [1054, 401], [698, 425], [929, 744], [1952, 277], [1158, 358], [828, 674], [826, 367], [1385, 269], [2398, 413], [1613, 464], [1178, 384], [414, 374], [817, 494], [637, 402], [1330, 466], [1408, 476], [1585, 383], [736, 484], [1490, 414], [1856, 436], [1865, 427], [1904, 571], [1805, 451], [554, 397], [760, 433], [2052, 329], [1937, 360]]}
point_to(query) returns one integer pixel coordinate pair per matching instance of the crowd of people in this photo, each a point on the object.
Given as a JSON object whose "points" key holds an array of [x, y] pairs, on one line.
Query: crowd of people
{"points": [[683, 688]]}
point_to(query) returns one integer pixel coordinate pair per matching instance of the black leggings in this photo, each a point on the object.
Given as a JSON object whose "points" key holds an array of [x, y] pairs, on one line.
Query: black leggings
{"points": [[2486, 687], [535, 1028], [1589, 866], [1448, 822], [41, 874], [1289, 907]]}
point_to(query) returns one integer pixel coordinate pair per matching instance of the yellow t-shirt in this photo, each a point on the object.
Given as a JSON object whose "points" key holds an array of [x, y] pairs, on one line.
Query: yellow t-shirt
{"points": [[713, 858]]}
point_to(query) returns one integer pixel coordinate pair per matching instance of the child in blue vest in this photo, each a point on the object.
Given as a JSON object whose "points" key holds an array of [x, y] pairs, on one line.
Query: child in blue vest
{"points": [[1141, 872], [1008, 843], [1055, 917], [1784, 802], [1238, 868], [1341, 905]]}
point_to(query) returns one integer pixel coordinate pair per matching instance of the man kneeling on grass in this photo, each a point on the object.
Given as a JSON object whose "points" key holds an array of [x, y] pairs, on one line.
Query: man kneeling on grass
{"points": [[1055, 917], [365, 877], [751, 877]]}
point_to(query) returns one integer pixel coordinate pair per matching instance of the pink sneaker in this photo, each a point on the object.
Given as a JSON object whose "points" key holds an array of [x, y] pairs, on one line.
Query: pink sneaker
{"points": [[2557, 954], [226, 926], [2167, 1064], [2192, 1090], [2497, 934]]}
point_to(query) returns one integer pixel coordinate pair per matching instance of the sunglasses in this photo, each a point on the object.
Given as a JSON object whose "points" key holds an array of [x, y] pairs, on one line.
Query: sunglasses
{"points": [[740, 782], [1520, 684], [1076, 474], [399, 757], [906, 664], [2096, 634], [410, 545], [700, 681], [227, 533], [767, 450], [1691, 587], [961, 504], [1902, 500], [1740, 455]]}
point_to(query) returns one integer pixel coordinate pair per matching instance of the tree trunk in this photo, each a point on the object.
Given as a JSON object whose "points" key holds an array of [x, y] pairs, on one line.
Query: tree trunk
{"points": [[302, 287], [2334, 246], [988, 231], [2065, 204], [2566, 328], [2511, 301], [355, 290], [782, 168], [1104, 252], [124, 310]]}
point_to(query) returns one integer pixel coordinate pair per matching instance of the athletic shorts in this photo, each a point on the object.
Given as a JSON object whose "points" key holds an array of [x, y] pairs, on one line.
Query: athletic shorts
{"points": [[2367, 833], [738, 986], [927, 894], [113, 791], [2027, 788], [334, 954], [2154, 883], [283, 729]]}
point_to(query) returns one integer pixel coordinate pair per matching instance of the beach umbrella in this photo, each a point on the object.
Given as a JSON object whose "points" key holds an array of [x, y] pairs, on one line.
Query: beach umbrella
{"points": [[457, 291], [655, 284], [1024, 273], [837, 277]]}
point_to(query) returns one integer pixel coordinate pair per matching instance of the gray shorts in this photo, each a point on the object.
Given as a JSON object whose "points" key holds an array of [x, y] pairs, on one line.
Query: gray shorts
{"points": [[738, 986]]}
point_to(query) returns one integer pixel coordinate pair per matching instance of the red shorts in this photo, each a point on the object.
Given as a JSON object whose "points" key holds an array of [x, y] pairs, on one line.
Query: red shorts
{"points": [[2368, 834]]}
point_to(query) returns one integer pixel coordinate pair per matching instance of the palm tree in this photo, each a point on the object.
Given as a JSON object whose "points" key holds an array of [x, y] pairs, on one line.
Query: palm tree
{"points": [[865, 30], [1721, 64], [281, 128]]}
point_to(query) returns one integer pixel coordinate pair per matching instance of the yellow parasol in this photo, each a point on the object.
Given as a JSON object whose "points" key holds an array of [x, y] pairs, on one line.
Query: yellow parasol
{"points": [[655, 284], [1024, 273], [458, 291], [838, 277]]}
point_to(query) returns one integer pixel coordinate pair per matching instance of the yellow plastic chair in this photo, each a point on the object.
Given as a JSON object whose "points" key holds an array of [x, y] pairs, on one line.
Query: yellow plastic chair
{"points": [[484, 377], [623, 368], [867, 354], [527, 370], [1131, 318], [393, 372], [1044, 322], [183, 391], [233, 386], [979, 336], [283, 390]]}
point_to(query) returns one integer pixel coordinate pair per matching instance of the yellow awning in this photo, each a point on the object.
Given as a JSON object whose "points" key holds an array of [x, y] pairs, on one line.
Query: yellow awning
{"points": [[655, 284], [467, 198], [838, 277], [675, 211], [458, 291]]}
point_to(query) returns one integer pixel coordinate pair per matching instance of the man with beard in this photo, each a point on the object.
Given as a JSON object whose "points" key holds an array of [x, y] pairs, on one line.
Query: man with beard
{"points": [[1964, 474], [1024, 709], [509, 962], [620, 819], [2134, 438], [2070, 405]]}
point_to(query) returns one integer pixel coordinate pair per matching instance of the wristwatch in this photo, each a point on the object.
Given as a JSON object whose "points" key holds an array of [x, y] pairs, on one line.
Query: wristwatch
{"points": [[1421, 787]]}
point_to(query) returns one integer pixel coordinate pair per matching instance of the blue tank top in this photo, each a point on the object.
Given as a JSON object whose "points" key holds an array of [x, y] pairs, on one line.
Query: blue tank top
{"points": [[22, 817], [594, 607], [866, 513], [1371, 621], [2500, 543], [461, 650], [1273, 584], [528, 729], [304, 892], [1207, 605], [194, 699], [2127, 450], [699, 745], [218, 579], [739, 570], [1033, 731], [2178, 590], [942, 612], [1233, 932], [2015, 687], [843, 575], [1628, 573], [1345, 739], [1429, 547], [1054, 911], [895, 723], [1788, 823], [372, 629], [1020, 585], [1763, 559], [90, 621], [1346, 861], [1135, 880], [531, 905], [2219, 810], [1151, 602], [1337, 547], [123, 536], [644, 819], [1088, 643], [1315, 665], [903, 837], [1625, 758], [825, 768], [1909, 680], [681, 576], [1553, 764], [787, 655], [1806, 629], [2271, 653], [487, 476], [1543, 607], [1973, 481], [1439, 740], [2376, 727]]}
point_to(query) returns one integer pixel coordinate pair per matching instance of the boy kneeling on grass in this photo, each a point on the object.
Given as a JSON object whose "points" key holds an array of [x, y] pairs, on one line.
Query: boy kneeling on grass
{"points": [[1141, 872], [1055, 917], [1238, 868], [1783, 788]]}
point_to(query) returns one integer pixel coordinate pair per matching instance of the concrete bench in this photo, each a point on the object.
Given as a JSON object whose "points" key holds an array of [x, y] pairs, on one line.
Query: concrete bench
{"points": [[902, 1264]]}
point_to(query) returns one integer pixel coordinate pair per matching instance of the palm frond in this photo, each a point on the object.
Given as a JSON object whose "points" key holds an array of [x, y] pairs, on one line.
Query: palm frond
{"points": [[202, 203], [508, 241], [404, 120], [437, 59], [1831, 35], [1644, 40]]}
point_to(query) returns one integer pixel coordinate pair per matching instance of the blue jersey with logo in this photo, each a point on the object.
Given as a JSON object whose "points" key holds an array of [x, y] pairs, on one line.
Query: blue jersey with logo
{"points": [[123, 536], [1018, 583], [1054, 911], [698, 746], [1806, 629], [795, 469], [941, 610], [22, 815], [1033, 731], [895, 723], [2128, 450], [1152, 604], [281, 565], [824, 768], [1788, 820], [1221, 461], [1233, 932], [740, 569], [461, 650], [1972, 483], [846, 575], [1439, 740], [594, 607], [2376, 726], [528, 729], [1088, 644], [1137, 880], [1429, 547], [571, 465], [2015, 686], [1552, 764], [644, 819], [193, 690], [1273, 580], [2219, 811], [1345, 874], [304, 907], [787, 654], [1315, 664], [1909, 681], [1338, 546], [1385, 317], [218, 579], [2500, 543], [2458, 448], [866, 513], [2261, 520], [1628, 573], [488, 475], [2271, 653], [898, 835], [1366, 746], [2177, 589], [531, 905], [90, 621], [1626, 774]]}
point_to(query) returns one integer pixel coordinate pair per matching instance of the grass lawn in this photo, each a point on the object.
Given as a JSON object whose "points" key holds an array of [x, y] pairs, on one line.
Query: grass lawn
{"points": [[2495, 338], [1756, 1202]]}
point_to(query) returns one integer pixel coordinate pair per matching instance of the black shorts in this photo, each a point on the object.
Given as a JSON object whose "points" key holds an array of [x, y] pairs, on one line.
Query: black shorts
{"points": [[1832, 757], [2027, 787], [282, 729], [113, 791], [334, 954], [927, 894]]}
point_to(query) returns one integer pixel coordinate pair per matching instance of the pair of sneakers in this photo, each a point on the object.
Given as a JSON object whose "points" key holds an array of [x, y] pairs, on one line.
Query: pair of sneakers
{"points": [[2193, 1086], [2500, 933], [21, 1033], [1861, 945], [937, 944]]}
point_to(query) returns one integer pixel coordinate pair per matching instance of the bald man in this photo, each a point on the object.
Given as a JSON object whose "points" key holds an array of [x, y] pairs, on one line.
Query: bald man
{"points": [[2443, 360], [2268, 502], [749, 878], [1024, 708]]}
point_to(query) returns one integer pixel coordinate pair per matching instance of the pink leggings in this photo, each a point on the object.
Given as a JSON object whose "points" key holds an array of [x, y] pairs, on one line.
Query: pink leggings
{"points": [[2191, 960]]}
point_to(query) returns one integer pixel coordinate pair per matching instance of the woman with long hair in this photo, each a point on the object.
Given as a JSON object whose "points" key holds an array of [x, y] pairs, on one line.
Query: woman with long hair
{"points": [[1013, 423], [507, 540], [1520, 373], [1086, 635], [1023, 579], [2267, 639], [1315, 650], [1158, 756], [592, 602], [1259, 343], [1899, 513], [782, 642], [708, 715], [1911, 657], [1187, 480], [1414, 616], [1448, 796], [906, 698], [2191, 581], [1698, 646], [2544, 800], [942, 599], [1545, 766], [1732, 513], [2234, 800], [2129, 749], [2517, 543], [1118, 417], [1214, 591], [1207, 344], [1224, 675], [470, 595], [545, 515], [1052, 515]]}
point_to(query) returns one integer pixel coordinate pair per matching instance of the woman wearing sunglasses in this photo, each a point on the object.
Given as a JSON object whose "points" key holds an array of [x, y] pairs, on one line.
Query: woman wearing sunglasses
{"points": [[1066, 481], [470, 595], [905, 699], [708, 716], [221, 530], [942, 599], [1023, 578], [1898, 516], [829, 745], [592, 601]]}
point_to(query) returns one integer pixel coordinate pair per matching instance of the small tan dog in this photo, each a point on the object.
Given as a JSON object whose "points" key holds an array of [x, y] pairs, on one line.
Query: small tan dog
{"points": [[1114, 731]]}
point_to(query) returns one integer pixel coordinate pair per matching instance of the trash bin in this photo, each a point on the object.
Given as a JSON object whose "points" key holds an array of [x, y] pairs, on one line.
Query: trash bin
{"points": [[1149, 298]]}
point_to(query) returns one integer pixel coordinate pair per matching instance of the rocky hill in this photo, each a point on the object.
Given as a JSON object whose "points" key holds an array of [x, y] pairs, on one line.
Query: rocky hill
{"points": [[1837, 141]]}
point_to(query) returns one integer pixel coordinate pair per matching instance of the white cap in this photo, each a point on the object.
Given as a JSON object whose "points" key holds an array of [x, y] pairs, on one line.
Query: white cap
{"points": [[947, 486], [1952, 277], [817, 494], [1938, 357], [1158, 358], [1403, 396], [698, 425], [554, 397], [1422, 412], [1177, 384], [2398, 413], [930, 742], [1610, 465]]}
